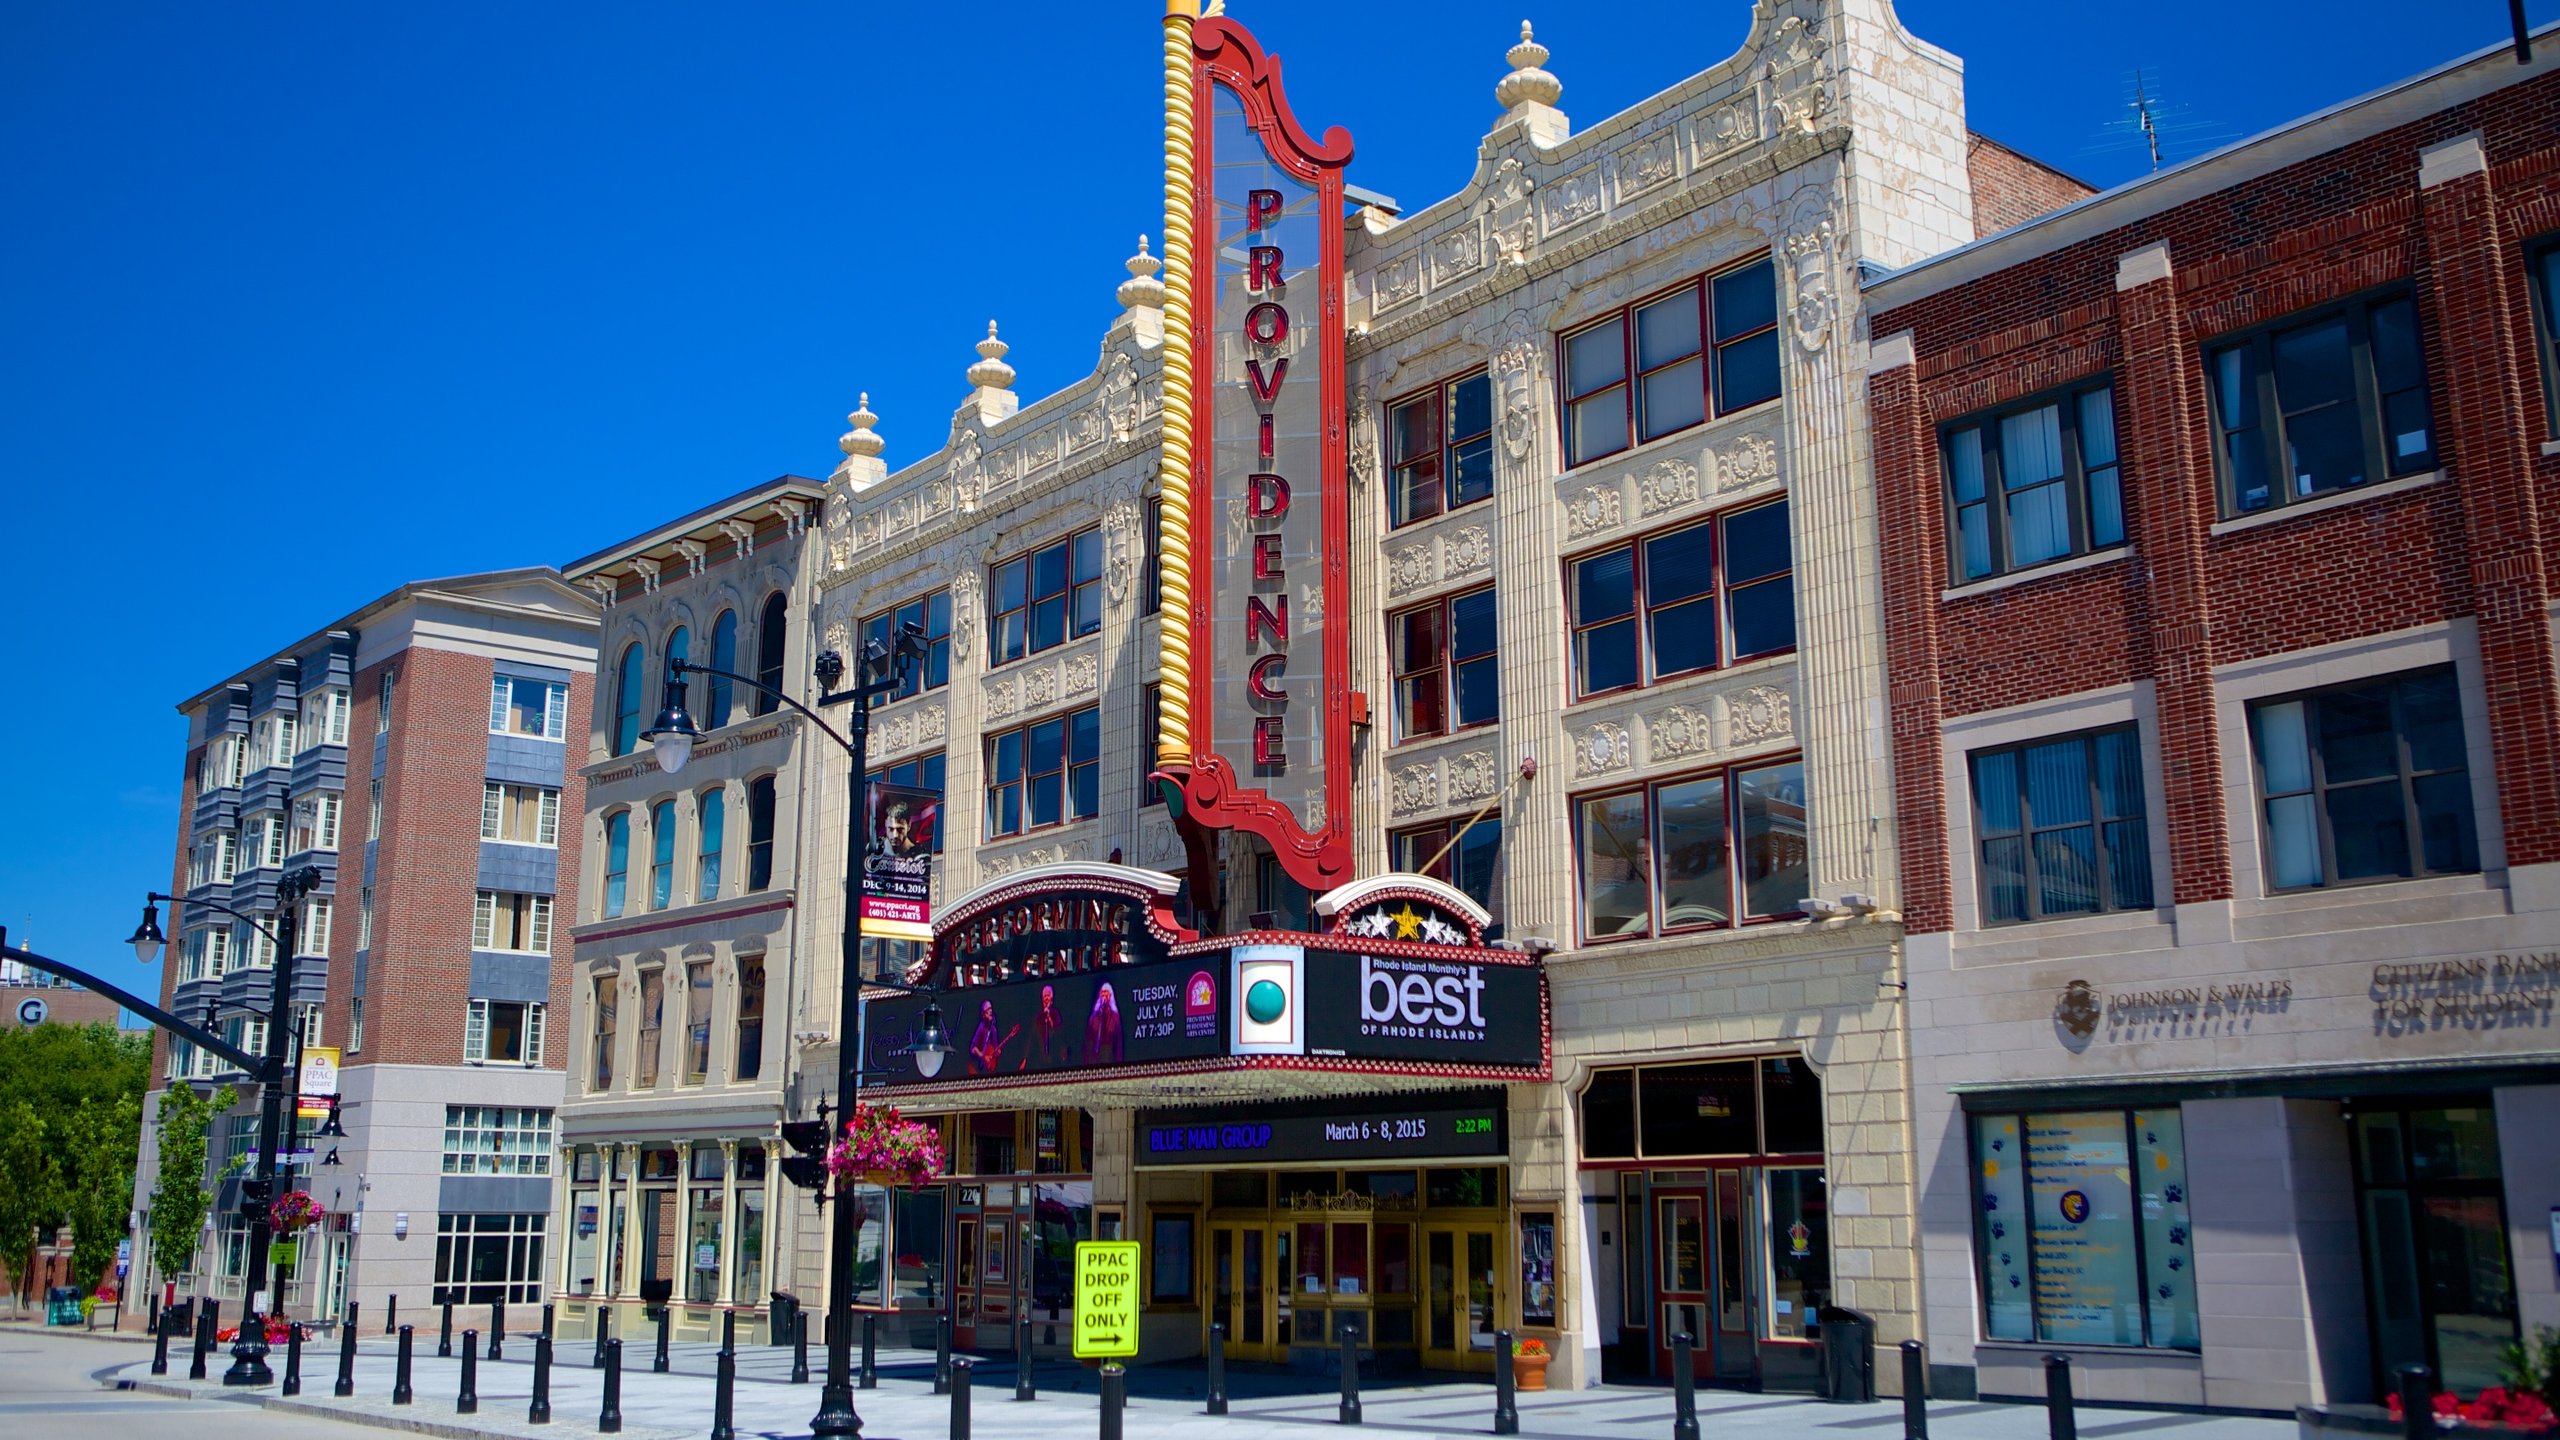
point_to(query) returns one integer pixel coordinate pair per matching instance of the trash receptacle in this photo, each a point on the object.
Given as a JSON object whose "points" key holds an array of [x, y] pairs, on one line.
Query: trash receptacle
{"points": [[179, 1319], [782, 1319], [1848, 1356], [62, 1305]]}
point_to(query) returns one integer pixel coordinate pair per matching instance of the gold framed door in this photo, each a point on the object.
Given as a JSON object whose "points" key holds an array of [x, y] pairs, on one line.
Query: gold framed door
{"points": [[1243, 1290], [1463, 1295]]}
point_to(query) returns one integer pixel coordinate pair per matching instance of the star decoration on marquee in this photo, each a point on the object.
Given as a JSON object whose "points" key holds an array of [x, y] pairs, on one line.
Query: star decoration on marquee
{"points": [[1439, 932], [1408, 924], [1377, 925]]}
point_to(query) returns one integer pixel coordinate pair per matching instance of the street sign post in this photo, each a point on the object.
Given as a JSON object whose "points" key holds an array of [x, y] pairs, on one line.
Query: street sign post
{"points": [[1106, 1299]]}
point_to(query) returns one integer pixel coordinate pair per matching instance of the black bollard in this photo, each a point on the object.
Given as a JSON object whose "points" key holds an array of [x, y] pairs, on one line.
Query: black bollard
{"points": [[800, 1348], [444, 1336], [666, 1322], [401, 1394], [207, 1320], [1915, 1391], [1506, 1407], [467, 1401], [1023, 1388], [960, 1368], [2417, 1402], [869, 1379], [546, 1319], [292, 1385], [1115, 1394], [346, 1385], [159, 1348], [390, 1316], [1348, 1412], [1218, 1368], [497, 1328], [942, 1355], [539, 1412], [724, 1387], [1684, 1387], [2059, 1422], [609, 1419], [604, 1328]]}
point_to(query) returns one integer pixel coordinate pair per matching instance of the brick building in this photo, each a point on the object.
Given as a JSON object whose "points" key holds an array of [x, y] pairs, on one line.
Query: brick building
{"points": [[2219, 630], [414, 753]]}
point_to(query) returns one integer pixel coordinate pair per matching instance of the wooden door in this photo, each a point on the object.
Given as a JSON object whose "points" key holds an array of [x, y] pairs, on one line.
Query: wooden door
{"points": [[964, 1284], [1682, 1279]]}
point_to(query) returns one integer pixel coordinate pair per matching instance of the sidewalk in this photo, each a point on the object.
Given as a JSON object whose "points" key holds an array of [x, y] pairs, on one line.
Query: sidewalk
{"points": [[677, 1406]]}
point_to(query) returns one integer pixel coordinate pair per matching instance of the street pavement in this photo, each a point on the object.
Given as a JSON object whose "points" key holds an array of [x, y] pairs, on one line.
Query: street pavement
{"points": [[44, 1377]]}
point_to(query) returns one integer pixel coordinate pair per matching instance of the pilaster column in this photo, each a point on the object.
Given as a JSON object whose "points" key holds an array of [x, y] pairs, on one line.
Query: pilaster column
{"points": [[564, 1214], [1912, 533], [1537, 841], [629, 1281], [728, 1220]]}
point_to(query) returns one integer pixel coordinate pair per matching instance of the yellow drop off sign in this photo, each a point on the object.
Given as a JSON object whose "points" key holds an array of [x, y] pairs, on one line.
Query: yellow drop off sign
{"points": [[1106, 1299]]}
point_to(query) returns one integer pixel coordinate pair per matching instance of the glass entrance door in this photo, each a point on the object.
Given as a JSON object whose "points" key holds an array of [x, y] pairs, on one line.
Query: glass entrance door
{"points": [[1703, 1281], [1461, 1296], [2439, 1285], [1241, 1293], [1681, 1279]]}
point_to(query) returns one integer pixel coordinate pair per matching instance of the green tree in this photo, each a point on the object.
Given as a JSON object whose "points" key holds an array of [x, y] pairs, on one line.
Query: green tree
{"points": [[30, 1185], [179, 1201], [84, 1085], [102, 1140]]}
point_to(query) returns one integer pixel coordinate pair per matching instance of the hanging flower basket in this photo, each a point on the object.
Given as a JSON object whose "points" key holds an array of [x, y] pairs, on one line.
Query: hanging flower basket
{"points": [[879, 1148], [294, 1212]]}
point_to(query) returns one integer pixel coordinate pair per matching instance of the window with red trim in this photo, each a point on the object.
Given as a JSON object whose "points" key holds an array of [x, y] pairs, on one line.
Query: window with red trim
{"points": [[1682, 601], [1707, 347], [1045, 773], [1446, 675], [1043, 598], [1693, 852], [1440, 449]]}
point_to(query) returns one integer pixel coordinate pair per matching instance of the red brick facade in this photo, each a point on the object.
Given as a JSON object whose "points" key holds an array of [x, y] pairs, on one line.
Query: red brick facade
{"points": [[2178, 600], [2012, 189]]}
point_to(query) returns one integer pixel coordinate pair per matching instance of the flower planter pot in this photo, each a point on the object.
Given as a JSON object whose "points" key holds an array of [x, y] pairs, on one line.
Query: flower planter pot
{"points": [[1531, 1370]]}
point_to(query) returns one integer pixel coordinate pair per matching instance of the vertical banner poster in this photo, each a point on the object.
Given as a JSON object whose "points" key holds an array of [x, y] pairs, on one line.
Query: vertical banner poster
{"points": [[899, 828], [319, 1088]]}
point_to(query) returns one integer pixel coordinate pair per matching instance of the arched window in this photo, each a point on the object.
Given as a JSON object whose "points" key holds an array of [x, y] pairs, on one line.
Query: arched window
{"points": [[713, 812], [627, 685], [760, 798], [617, 861], [724, 656], [680, 644], [662, 854], [770, 636]]}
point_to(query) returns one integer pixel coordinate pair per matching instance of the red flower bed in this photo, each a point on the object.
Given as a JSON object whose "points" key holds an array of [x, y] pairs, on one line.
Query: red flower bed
{"points": [[2497, 1405], [278, 1332]]}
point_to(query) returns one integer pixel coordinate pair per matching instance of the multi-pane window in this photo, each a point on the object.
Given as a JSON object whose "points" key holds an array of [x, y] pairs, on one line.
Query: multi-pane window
{"points": [[662, 854], [2546, 319], [748, 1062], [925, 772], [1150, 735], [608, 994], [711, 811], [257, 949], [266, 841], [2369, 781], [1709, 347], [617, 862], [697, 1022], [1473, 864], [1694, 852], [2318, 405], [760, 833], [390, 687], [506, 920], [312, 935], [1440, 449], [1717, 592], [206, 956], [483, 1258], [2060, 828], [629, 687], [519, 814], [773, 639], [1446, 675], [364, 919], [653, 1021], [496, 1140], [355, 1023], [722, 692], [1046, 773], [315, 821], [1045, 597], [373, 813], [2033, 484], [324, 717], [1151, 574], [535, 708], [930, 613], [503, 1032]]}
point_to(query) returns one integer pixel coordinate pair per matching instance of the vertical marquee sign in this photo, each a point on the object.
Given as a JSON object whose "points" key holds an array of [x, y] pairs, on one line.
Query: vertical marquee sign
{"points": [[1269, 648]]}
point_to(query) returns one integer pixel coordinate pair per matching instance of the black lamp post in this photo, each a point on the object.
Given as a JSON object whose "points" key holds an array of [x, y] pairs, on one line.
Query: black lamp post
{"points": [[671, 739], [258, 1191]]}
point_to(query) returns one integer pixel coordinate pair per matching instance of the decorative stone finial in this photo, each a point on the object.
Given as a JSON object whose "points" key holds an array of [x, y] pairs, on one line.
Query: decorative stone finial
{"points": [[1142, 290], [859, 440], [1527, 84], [991, 373]]}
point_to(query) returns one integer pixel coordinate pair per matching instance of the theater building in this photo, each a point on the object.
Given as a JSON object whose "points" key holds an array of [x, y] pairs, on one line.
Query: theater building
{"points": [[2219, 627], [1504, 576]]}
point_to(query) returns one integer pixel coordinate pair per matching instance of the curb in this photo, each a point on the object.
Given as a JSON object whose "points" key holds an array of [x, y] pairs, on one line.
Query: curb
{"points": [[413, 1425]]}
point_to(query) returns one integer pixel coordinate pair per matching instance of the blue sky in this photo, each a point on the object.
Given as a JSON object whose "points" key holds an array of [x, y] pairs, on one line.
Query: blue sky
{"points": [[299, 301]]}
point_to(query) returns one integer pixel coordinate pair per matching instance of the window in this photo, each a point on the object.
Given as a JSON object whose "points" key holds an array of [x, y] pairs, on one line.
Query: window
{"points": [[311, 935], [1474, 864], [2545, 281], [1046, 597], [662, 854], [724, 656], [535, 708], [925, 772], [2319, 405], [355, 1024], [2082, 1229], [608, 995], [496, 1140], [1151, 572], [256, 950], [1441, 449], [382, 707], [932, 613], [266, 841], [1046, 773], [712, 811], [2364, 782], [519, 814], [324, 717], [697, 1022], [1686, 854], [373, 814], [617, 862], [503, 1032], [653, 1018], [1719, 591], [1169, 1277], [2033, 484], [1446, 675], [773, 638], [760, 833], [2059, 827], [748, 1062], [481, 1259], [1150, 736], [502, 920], [225, 856], [315, 822], [628, 684], [1665, 343], [364, 919], [207, 955]]}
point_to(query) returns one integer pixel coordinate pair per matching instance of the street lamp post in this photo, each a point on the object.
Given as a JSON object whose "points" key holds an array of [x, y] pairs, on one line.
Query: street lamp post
{"points": [[249, 1351], [671, 739]]}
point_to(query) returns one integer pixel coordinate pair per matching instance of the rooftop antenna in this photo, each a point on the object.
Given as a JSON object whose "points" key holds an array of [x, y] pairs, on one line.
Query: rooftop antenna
{"points": [[2155, 128]]}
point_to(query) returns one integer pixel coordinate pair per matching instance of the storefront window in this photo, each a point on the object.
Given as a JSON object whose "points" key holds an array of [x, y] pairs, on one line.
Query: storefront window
{"points": [[1351, 1258], [871, 1231], [1538, 1268], [2082, 1228], [1474, 1185], [1699, 1109], [918, 1266], [1169, 1262], [702, 1239], [584, 1225], [750, 1287], [1799, 1253]]}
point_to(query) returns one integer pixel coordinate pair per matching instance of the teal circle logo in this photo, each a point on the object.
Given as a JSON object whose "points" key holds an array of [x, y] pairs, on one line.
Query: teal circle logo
{"points": [[1265, 1001]]}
